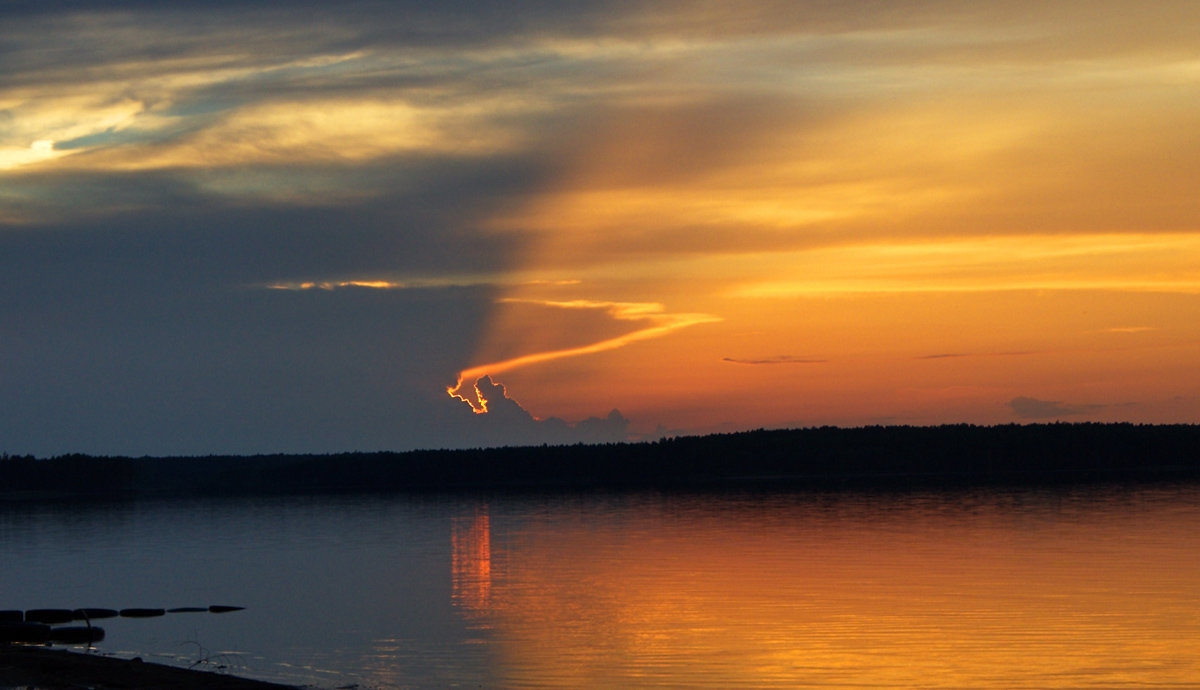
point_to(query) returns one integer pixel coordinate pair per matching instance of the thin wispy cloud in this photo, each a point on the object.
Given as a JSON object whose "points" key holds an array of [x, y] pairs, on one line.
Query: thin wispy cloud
{"points": [[958, 355], [1129, 329], [430, 283], [782, 359]]}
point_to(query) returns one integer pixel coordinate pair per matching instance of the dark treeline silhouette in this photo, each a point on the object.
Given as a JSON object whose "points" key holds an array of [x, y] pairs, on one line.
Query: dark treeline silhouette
{"points": [[827, 457]]}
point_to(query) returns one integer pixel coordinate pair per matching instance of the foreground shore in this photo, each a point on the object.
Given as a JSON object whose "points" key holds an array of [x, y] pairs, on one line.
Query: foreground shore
{"points": [[56, 669]]}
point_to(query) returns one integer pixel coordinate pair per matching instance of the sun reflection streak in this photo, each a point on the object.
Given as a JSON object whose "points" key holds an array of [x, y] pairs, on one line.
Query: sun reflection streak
{"points": [[471, 562]]}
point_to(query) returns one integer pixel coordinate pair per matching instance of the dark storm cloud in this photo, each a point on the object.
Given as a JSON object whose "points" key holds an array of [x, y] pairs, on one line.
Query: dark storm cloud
{"points": [[173, 232], [275, 31], [98, 35]]}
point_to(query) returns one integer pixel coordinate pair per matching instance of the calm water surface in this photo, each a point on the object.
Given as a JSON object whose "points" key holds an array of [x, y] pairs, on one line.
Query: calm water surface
{"points": [[1095, 588]]}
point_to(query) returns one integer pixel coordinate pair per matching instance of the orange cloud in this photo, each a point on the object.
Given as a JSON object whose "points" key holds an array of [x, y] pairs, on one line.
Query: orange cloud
{"points": [[659, 322]]}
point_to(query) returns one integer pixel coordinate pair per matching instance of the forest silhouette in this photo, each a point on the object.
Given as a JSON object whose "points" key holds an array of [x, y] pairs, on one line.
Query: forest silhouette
{"points": [[811, 458]]}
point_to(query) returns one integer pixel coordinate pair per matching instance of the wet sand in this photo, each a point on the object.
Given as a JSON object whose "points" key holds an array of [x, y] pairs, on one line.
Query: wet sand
{"points": [[55, 669]]}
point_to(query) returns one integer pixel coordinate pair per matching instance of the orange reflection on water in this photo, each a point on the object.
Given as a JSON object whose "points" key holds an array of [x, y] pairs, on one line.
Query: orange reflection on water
{"points": [[471, 562], [854, 592]]}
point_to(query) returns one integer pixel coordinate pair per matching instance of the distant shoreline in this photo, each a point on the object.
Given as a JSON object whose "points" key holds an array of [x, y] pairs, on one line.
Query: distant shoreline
{"points": [[812, 458]]}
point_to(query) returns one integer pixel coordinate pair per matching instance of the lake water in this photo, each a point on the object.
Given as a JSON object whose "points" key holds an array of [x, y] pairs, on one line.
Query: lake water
{"points": [[1005, 589]]}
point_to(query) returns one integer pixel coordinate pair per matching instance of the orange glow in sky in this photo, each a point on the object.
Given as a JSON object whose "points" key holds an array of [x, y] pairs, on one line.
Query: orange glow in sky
{"points": [[920, 223]]}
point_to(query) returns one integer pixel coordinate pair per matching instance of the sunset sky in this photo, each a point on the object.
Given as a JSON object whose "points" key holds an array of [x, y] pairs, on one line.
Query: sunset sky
{"points": [[238, 227]]}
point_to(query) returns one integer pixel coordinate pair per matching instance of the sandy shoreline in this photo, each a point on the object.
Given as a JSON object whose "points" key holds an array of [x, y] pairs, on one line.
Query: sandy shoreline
{"points": [[41, 667]]}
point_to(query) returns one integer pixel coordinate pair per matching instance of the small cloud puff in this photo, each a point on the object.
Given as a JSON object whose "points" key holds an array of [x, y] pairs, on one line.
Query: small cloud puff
{"points": [[508, 424]]}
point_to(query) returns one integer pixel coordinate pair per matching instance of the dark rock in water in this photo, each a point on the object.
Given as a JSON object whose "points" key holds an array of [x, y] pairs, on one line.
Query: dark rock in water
{"points": [[142, 613], [27, 633], [189, 609], [225, 609], [50, 616], [93, 614], [77, 634], [12, 616]]}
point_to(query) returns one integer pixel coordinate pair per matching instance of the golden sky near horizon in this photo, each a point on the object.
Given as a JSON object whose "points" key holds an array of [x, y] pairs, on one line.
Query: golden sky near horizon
{"points": [[744, 215], [903, 225]]}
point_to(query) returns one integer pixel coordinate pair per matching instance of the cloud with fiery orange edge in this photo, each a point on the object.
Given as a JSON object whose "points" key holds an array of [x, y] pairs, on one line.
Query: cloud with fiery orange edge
{"points": [[659, 323]]}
